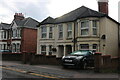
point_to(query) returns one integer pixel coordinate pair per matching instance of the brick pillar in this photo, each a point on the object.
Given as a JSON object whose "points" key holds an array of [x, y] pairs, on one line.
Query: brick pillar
{"points": [[97, 62], [32, 57], [106, 61], [24, 57]]}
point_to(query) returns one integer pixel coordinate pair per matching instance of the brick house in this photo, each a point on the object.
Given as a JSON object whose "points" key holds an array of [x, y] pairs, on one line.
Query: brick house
{"points": [[82, 28], [22, 34]]}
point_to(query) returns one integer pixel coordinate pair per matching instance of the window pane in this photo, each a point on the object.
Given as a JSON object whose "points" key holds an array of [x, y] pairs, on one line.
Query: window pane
{"points": [[51, 29], [70, 34], [94, 31], [69, 31], [60, 27], [43, 49], [84, 32], [43, 32], [50, 35], [94, 46], [84, 46], [94, 23], [60, 35], [43, 29], [84, 24]]}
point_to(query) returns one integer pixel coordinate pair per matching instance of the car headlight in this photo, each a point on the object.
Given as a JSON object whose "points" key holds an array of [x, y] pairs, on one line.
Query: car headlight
{"points": [[80, 57], [63, 57]]}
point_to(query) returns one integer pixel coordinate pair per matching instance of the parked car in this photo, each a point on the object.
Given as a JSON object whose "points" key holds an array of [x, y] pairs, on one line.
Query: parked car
{"points": [[79, 59], [2, 51]]}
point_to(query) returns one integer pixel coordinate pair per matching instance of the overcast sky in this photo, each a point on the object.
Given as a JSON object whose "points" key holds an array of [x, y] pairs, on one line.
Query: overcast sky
{"points": [[40, 9]]}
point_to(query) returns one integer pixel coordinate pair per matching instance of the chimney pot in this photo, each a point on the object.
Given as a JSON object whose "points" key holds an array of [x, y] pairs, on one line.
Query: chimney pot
{"points": [[103, 6], [19, 16]]}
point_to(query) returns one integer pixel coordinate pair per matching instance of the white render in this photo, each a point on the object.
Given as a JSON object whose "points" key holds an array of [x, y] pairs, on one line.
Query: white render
{"points": [[105, 26]]}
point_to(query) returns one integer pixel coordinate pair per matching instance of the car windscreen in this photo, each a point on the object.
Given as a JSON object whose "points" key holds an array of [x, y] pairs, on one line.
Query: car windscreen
{"points": [[83, 53]]}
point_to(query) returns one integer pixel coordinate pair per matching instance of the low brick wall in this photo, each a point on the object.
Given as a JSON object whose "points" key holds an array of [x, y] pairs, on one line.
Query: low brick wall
{"points": [[44, 59], [104, 63], [11, 56]]}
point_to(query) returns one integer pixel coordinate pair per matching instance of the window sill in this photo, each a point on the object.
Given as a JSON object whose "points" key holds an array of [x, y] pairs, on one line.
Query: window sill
{"points": [[88, 36], [69, 38], [47, 39]]}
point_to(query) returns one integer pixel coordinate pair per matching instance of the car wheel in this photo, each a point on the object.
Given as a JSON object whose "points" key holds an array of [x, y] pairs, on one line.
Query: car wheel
{"points": [[84, 65], [65, 67]]}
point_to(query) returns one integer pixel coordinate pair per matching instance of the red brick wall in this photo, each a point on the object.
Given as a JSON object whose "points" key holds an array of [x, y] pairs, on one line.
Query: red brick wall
{"points": [[103, 7], [29, 40]]}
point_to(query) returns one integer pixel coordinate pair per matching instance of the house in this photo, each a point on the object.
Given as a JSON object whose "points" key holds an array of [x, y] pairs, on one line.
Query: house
{"points": [[22, 34], [80, 29], [4, 29]]}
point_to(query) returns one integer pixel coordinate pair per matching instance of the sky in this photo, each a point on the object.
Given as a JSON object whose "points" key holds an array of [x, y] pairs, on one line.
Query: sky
{"points": [[41, 9]]}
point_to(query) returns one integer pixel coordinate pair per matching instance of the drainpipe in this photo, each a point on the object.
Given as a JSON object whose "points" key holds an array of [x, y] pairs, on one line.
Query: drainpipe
{"points": [[74, 38], [118, 48]]}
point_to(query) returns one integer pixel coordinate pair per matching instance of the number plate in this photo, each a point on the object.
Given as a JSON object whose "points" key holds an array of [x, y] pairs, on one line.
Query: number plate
{"points": [[68, 60]]}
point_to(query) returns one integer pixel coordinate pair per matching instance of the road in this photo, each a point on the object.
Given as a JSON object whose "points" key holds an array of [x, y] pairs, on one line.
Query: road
{"points": [[17, 71]]}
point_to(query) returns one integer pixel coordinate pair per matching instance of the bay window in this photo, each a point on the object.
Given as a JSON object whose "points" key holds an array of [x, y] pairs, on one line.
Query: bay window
{"points": [[43, 32], [84, 28], [69, 30], [94, 28], [60, 28], [50, 32]]}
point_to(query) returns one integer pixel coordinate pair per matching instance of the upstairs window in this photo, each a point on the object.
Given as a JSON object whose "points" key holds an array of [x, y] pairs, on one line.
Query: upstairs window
{"points": [[19, 33], [94, 28], [44, 32], [84, 28], [51, 32], [60, 28], [69, 30], [4, 34]]}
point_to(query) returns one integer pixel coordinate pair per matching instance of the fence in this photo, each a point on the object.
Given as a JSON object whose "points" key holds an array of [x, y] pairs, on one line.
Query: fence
{"points": [[11, 56]]}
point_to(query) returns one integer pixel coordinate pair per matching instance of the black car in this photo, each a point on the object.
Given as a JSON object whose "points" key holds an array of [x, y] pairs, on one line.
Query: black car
{"points": [[79, 59]]}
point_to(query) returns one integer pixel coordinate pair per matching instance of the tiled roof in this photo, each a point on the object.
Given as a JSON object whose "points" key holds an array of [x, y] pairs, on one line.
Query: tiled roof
{"points": [[81, 12], [27, 22], [4, 26]]}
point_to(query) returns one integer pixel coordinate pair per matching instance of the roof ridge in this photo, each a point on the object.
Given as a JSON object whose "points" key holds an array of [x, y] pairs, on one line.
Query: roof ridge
{"points": [[26, 21]]}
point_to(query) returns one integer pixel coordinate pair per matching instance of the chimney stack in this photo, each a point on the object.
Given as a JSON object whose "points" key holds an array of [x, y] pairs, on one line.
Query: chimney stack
{"points": [[103, 6], [18, 16]]}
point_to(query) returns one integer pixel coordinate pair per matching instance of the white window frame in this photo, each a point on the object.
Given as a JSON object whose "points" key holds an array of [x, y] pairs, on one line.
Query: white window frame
{"points": [[69, 30], [43, 51], [94, 27], [96, 47], [60, 28], [50, 32], [50, 49], [86, 27], [81, 45], [43, 32], [18, 47]]}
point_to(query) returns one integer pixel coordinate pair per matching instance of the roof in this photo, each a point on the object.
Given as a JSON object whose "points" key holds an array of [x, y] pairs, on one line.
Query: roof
{"points": [[27, 22], [78, 13], [48, 20], [81, 12], [4, 26]]}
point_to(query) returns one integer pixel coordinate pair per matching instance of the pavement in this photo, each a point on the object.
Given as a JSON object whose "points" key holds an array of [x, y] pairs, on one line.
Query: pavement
{"points": [[58, 71]]}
